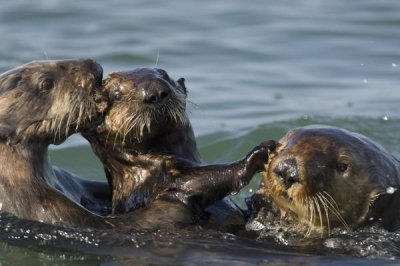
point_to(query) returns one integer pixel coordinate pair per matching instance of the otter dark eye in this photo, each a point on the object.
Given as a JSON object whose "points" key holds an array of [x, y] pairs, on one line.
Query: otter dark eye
{"points": [[341, 167], [117, 95], [46, 84]]}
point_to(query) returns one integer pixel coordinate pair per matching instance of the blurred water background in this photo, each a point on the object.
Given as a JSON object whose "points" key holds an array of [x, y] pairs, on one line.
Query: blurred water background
{"points": [[253, 70]]}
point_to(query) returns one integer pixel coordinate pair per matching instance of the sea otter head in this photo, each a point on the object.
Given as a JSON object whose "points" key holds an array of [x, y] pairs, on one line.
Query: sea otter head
{"points": [[323, 177], [144, 103], [46, 101]]}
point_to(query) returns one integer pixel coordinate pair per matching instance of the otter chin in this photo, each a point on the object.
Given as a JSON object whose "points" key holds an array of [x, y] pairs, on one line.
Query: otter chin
{"points": [[323, 177]]}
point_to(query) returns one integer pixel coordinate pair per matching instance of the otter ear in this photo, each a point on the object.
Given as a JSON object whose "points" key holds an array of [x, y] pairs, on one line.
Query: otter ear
{"points": [[181, 82]]}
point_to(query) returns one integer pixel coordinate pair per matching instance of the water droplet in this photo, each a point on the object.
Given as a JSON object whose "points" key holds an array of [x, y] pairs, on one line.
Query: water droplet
{"points": [[385, 118], [390, 190], [394, 65], [361, 64], [254, 226], [234, 193], [251, 190], [365, 81]]}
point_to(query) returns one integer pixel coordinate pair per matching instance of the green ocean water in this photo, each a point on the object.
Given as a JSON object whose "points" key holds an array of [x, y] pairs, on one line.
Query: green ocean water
{"points": [[254, 70]]}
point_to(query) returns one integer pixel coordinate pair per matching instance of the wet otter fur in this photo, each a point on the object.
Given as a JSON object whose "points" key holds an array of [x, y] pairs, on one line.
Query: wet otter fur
{"points": [[42, 103], [148, 149], [324, 177]]}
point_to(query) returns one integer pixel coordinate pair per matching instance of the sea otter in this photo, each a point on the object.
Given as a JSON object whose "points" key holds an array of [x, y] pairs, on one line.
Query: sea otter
{"points": [[42, 103], [322, 177], [148, 149]]}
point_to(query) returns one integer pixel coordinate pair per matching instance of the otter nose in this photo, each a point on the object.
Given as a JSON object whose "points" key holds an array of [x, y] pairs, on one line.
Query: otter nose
{"points": [[155, 93], [287, 170]]}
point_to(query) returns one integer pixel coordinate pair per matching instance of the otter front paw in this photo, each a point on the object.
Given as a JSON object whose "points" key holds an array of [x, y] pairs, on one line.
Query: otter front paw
{"points": [[259, 156]]}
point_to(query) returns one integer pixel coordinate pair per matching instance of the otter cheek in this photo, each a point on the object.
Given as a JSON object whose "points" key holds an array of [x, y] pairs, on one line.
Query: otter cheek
{"points": [[352, 201]]}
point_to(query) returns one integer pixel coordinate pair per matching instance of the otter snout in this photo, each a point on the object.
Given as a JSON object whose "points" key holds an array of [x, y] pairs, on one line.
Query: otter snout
{"points": [[92, 66], [93, 78], [155, 92], [87, 74], [287, 170]]}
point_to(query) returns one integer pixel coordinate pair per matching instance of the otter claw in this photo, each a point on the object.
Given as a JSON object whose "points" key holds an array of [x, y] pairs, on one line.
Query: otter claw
{"points": [[264, 148], [260, 154], [269, 144]]}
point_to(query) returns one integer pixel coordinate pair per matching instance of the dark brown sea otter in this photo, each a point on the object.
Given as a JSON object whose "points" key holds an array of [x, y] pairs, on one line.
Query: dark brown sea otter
{"points": [[149, 152], [324, 177], [42, 103]]}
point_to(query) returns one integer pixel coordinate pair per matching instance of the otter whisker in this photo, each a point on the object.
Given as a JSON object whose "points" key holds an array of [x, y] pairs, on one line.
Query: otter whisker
{"points": [[127, 127], [79, 116], [138, 123], [311, 210], [69, 117], [81, 109], [335, 209], [89, 105], [121, 129], [173, 113], [319, 214], [60, 119], [142, 126], [332, 199], [141, 123], [195, 105], [58, 128], [326, 212], [69, 120], [150, 116]]}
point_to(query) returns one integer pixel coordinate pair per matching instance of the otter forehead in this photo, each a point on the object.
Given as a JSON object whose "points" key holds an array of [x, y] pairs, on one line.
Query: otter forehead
{"points": [[84, 71], [28, 80], [324, 137], [141, 74], [320, 145], [52, 64], [126, 80]]}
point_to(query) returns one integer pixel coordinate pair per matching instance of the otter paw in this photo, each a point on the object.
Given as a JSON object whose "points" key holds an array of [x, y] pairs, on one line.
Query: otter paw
{"points": [[260, 154], [269, 144]]}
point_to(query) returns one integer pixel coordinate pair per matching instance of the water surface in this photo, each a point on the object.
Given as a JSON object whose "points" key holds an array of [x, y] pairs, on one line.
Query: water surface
{"points": [[253, 70]]}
